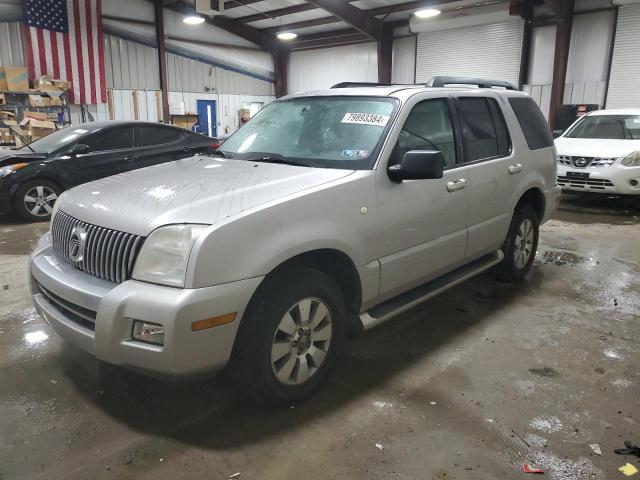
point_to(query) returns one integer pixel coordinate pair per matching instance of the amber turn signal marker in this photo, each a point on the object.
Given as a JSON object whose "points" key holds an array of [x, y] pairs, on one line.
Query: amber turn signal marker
{"points": [[213, 322]]}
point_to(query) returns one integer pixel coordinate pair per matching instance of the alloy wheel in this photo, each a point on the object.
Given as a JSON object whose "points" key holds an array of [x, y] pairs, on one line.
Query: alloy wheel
{"points": [[523, 244], [39, 201], [301, 341]]}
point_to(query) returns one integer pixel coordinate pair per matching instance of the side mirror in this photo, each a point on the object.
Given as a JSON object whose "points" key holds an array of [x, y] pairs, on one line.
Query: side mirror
{"points": [[557, 133], [79, 148], [418, 165]]}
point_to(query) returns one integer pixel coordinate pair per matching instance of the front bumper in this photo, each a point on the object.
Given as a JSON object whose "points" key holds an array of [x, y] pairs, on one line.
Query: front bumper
{"points": [[614, 179], [68, 299]]}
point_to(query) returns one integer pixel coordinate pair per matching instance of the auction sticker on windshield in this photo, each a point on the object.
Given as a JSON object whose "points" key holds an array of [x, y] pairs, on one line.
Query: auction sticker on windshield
{"points": [[366, 119]]}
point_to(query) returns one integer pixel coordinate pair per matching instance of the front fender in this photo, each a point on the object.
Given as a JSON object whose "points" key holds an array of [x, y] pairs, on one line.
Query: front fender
{"points": [[253, 243]]}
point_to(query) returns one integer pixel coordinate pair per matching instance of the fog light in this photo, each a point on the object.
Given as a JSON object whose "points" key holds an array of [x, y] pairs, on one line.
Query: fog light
{"points": [[148, 332]]}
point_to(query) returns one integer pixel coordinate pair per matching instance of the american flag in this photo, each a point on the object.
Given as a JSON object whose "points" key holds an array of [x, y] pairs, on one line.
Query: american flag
{"points": [[64, 40]]}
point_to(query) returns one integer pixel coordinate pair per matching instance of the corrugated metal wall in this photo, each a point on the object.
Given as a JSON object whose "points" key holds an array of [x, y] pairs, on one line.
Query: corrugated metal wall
{"points": [[130, 65], [11, 47], [487, 51], [624, 86], [189, 75], [320, 69]]}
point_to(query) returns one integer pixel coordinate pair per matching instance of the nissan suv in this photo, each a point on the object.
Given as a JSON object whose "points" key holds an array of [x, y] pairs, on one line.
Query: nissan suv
{"points": [[328, 212]]}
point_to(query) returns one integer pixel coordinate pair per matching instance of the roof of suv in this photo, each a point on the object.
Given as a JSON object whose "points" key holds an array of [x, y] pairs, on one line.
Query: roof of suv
{"points": [[400, 91]]}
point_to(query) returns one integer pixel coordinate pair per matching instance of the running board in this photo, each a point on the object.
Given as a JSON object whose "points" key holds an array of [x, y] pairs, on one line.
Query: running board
{"points": [[406, 301]]}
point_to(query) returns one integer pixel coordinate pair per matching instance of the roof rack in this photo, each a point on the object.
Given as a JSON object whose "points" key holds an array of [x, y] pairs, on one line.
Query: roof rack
{"points": [[360, 84], [441, 81]]}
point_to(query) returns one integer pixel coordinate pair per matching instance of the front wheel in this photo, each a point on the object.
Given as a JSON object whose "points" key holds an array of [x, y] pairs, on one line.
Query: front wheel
{"points": [[34, 200], [290, 337], [520, 246]]}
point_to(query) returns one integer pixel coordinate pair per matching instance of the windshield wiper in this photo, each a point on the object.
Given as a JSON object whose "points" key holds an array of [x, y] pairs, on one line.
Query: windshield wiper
{"points": [[221, 153], [273, 158]]}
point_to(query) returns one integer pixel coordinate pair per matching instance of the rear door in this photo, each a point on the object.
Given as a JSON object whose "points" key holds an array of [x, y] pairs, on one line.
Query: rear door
{"points": [[108, 150], [492, 171], [157, 144]]}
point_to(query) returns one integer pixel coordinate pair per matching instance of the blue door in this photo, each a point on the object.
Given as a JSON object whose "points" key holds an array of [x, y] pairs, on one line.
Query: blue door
{"points": [[207, 123]]}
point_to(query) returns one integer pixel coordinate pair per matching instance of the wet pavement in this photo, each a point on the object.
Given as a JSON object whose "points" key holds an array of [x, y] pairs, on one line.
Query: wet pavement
{"points": [[470, 385]]}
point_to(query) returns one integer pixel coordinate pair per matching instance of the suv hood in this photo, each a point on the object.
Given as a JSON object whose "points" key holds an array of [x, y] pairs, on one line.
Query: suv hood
{"points": [[596, 147], [199, 189]]}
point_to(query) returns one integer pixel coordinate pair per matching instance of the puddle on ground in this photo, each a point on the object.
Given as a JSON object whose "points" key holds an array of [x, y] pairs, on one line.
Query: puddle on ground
{"points": [[560, 258]]}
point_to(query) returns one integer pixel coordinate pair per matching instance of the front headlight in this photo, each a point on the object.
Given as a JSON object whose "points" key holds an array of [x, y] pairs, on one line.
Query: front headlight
{"points": [[164, 255], [632, 160], [9, 169]]}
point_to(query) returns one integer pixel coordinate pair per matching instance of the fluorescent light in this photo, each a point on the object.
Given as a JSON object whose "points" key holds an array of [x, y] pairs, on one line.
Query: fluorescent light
{"points": [[193, 20], [286, 35], [427, 13]]}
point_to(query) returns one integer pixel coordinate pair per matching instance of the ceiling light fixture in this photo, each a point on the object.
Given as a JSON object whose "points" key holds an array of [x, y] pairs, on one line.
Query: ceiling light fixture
{"points": [[286, 35], [193, 20], [427, 13]]}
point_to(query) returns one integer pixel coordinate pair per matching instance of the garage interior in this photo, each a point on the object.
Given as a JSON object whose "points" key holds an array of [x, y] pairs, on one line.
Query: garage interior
{"points": [[474, 383]]}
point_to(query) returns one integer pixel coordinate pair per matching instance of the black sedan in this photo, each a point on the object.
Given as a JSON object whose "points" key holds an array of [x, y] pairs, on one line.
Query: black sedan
{"points": [[32, 177]]}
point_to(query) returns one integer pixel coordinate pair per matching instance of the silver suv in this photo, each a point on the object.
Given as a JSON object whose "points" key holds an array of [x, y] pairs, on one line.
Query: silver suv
{"points": [[329, 211]]}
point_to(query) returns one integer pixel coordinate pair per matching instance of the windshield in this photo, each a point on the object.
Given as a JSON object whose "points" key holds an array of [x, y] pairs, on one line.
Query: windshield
{"points": [[620, 127], [333, 132], [56, 140]]}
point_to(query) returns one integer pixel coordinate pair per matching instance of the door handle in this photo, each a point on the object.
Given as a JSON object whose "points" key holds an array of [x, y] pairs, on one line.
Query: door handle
{"points": [[515, 168], [128, 158], [458, 184]]}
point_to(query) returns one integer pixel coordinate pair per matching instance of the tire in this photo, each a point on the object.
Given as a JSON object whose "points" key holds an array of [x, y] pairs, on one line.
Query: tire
{"points": [[34, 200], [519, 251], [270, 353]]}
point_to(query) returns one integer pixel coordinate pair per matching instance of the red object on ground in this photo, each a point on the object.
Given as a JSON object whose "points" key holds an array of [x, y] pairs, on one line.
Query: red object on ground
{"points": [[527, 469]]}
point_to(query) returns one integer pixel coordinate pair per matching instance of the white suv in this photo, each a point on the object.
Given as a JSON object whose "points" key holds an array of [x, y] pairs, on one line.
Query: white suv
{"points": [[329, 211], [600, 153]]}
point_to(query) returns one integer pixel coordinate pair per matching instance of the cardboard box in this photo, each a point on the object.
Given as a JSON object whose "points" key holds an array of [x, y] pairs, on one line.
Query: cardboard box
{"points": [[17, 79], [56, 102], [37, 128], [3, 99], [39, 101], [48, 84], [184, 121], [7, 115], [35, 115]]}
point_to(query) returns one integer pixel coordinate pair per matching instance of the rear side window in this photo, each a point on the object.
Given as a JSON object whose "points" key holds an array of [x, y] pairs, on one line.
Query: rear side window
{"points": [[148, 135], [484, 130], [117, 138], [534, 126]]}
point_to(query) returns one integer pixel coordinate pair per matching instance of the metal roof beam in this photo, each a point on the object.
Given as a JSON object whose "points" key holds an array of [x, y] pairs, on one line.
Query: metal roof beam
{"points": [[359, 19]]}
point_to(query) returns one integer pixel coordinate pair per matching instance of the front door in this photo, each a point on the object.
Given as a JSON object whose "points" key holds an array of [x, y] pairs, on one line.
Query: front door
{"points": [[109, 150], [207, 123], [423, 223]]}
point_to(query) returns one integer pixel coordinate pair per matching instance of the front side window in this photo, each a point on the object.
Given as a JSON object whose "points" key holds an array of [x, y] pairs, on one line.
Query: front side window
{"points": [[428, 127], [616, 127], [117, 138], [328, 132], [484, 130]]}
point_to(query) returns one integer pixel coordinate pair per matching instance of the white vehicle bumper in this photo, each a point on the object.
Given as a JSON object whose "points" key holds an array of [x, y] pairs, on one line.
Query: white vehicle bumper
{"points": [[614, 179], [97, 316]]}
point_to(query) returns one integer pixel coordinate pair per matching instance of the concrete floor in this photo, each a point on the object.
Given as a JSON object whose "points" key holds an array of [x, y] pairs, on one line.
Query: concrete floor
{"points": [[470, 385]]}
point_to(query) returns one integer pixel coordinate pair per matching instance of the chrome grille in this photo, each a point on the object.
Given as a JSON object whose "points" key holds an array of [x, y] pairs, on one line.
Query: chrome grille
{"points": [[108, 254], [570, 161], [591, 183]]}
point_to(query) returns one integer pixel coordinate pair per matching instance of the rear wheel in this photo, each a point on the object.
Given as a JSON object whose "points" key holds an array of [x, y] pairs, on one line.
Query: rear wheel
{"points": [[520, 246], [34, 200], [290, 337]]}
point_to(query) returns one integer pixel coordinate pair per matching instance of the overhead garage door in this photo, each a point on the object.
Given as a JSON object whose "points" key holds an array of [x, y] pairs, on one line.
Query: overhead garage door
{"points": [[624, 86], [487, 51]]}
